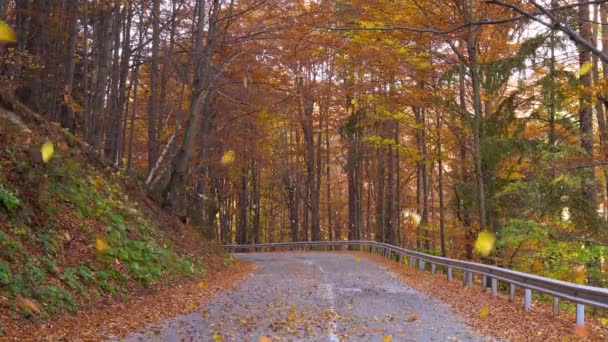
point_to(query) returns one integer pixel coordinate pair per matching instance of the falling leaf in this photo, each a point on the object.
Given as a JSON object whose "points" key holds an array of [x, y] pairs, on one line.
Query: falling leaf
{"points": [[581, 332], [101, 245], [264, 339], [387, 338], [358, 259], [485, 243], [483, 313], [228, 157], [28, 306], [585, 68], [7, 35], [47, 150], [350, 307]]}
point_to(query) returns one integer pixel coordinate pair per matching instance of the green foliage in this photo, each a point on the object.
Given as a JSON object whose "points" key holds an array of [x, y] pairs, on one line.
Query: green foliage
{"points": [[55, 298], [9, 201], [5, 274], [229, 260]]}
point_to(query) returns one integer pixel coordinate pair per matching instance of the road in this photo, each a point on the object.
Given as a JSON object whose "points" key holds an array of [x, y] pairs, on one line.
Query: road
{"points": [[316, 297]]}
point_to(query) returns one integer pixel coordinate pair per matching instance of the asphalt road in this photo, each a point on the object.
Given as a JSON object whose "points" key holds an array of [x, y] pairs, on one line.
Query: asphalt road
{"points": [[315, 297]]}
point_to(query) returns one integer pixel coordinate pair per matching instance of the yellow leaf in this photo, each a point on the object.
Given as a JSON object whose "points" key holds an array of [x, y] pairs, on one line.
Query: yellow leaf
{"points": [[217, 337], [585, 68], [483, 313], [7, 35], [387, 338], [228, 157], [264, 339], [47, 150], [101, 245], [485, 243], [358, 259], [192, 305], [202, 284]]}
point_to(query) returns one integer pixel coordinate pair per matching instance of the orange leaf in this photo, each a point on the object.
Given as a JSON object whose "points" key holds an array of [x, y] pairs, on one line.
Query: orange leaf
{"points": [[582, 332]]}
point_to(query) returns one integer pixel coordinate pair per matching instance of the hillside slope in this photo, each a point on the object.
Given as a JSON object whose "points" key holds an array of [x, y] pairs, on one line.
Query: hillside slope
{"points": [[74, 233]]}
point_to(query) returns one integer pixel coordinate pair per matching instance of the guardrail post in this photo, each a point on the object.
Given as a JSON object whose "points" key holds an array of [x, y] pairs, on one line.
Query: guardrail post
{"points": [[421, 265], [464, 278], [450, 274], [494, 287], [401, 258], [470, 280], [528, 299], [484, 281], [511, 292], [433, 268], [580, 315], [412, 261], [555, 306]]}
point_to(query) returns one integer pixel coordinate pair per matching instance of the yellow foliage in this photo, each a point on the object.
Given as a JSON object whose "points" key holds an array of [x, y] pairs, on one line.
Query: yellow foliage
{"points": [[387, 338], [47, 150], [485, 243]]}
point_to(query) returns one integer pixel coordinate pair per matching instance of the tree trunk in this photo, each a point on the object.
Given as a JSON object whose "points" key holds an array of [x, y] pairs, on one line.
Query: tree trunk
{"points": [[585, 115]]}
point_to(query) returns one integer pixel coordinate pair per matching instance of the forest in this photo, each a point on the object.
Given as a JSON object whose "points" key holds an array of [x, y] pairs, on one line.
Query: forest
{"points": [[414, 122]]}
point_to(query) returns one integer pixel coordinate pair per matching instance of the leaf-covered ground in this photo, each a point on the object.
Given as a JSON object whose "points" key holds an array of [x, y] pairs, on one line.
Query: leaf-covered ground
{"points": [[115, 320], [498, 317], [77, 235]]}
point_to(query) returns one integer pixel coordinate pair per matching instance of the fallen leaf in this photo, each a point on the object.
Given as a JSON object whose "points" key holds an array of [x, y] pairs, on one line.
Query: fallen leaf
{"points": [[28, 306], [387, 338], [582, 332], [413, 317], [483, 313], [264, 339]]}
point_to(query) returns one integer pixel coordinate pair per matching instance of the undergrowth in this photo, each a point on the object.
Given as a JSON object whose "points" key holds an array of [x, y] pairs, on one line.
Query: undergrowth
{"points": [[71, 236]]}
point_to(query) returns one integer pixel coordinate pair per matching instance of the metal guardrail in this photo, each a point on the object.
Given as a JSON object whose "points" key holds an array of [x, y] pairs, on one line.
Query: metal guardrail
{"points": [[580, 295]]}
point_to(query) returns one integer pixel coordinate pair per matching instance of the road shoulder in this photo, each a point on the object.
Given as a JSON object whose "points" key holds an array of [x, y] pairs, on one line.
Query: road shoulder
{"points": [[498, 316]]}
